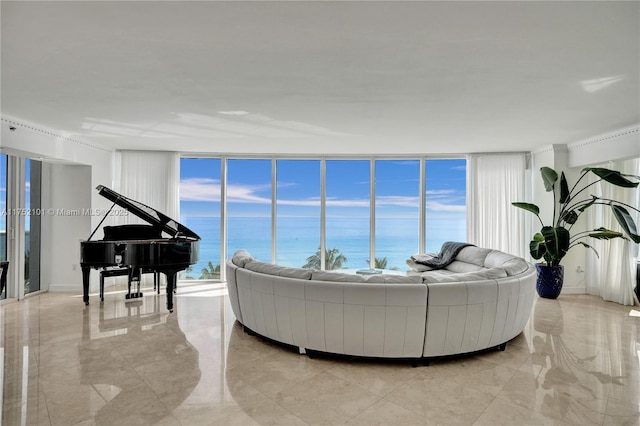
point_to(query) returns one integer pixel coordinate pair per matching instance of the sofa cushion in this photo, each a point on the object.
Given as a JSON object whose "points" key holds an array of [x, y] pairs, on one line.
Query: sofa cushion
{"points": [[336, 277], [497, 258], [435, 275], [418, 266], [281, 271], [515, 266], [240, 258], [300, 273], [263, 267], [474, 255], [460, 266], [484, 274], [394, 279]]}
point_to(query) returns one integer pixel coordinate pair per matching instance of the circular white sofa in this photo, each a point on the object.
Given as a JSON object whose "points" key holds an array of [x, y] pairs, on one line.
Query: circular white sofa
{"points": [[481, 300]]}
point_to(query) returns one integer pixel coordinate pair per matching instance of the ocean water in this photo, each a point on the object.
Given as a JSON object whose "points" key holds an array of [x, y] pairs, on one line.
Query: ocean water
{"points": [[299, 238]]}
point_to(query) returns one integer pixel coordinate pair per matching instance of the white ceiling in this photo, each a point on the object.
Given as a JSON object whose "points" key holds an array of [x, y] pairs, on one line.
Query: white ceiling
{"points": [[322, 77]]}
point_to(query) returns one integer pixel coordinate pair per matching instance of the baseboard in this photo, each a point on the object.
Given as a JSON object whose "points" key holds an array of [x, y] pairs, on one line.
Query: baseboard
{"points": [[66, 288]]}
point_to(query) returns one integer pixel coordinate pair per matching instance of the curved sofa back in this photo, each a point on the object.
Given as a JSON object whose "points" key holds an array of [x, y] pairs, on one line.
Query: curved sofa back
{"points": [[467, 316], [377, 320], [385, 316]]}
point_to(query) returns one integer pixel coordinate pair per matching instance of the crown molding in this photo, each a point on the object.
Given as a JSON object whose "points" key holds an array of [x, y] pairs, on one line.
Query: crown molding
{"points": [[550, 148], [606, 138], [617, 145], [47, 132]]}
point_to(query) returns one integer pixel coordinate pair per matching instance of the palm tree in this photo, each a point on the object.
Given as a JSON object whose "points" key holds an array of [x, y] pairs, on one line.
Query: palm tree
{"points": [[381, 263], [332, 260], [210, 271]]}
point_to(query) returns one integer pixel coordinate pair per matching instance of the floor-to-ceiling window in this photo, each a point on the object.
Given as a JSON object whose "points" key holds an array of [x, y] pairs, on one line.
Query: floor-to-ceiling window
{"points": [[348, 205], [3, 218], [249, 194], [200, 186], [445, 194], [298, 211], [391, 207], [397, 212], [33, 207]]}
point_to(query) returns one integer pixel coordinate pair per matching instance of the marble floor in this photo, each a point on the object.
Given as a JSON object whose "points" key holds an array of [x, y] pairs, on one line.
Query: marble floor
{"points": [[133, 363]]}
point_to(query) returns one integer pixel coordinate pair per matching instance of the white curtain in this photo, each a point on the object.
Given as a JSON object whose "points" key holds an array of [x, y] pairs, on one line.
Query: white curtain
{"points": [[494, 181], [612, 275], [151, 178]]}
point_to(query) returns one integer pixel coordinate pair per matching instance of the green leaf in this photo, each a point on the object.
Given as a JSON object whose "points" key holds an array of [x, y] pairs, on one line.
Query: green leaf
{"points": [[605, 234], [614, 177], [549, 177], [589, 204], [527, 206], [556, 240], [564, 189], [588, 246], [570, 217], [537, 249], [626, 222]]}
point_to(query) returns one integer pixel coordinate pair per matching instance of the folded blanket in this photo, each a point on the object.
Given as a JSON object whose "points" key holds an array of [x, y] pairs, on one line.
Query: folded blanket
{"points": [[448, 253]]}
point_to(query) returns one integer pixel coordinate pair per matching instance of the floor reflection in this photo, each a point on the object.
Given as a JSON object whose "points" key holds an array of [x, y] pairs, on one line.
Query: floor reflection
{"points": [[575, 374], [125, 363], [138, 359]]}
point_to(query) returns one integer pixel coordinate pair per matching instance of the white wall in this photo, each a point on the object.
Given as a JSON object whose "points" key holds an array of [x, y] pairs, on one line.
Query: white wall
{"points": [[72, 170], [69, 195]]}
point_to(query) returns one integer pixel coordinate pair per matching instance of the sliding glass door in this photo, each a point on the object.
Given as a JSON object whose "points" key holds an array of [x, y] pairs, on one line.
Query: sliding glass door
{"points": [[3, 218], [33, 181]]}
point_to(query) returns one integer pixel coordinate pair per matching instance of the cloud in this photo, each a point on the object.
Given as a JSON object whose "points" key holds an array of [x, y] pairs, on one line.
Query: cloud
{"points": [[335, 202], [208, 190], [397, 200], [441, 207], [433, 192], [200, 189]]}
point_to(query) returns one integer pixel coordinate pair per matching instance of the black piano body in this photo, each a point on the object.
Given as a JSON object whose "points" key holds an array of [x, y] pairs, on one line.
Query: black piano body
{"points": [[140, 247]]}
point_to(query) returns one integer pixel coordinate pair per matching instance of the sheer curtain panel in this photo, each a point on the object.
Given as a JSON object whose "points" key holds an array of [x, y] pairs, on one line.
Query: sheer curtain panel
{"points": [[494, 182], [611, 275], [150, 178]]}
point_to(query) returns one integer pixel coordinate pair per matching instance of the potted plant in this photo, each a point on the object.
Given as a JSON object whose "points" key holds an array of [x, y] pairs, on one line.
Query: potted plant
{"points": [[553, 241]]}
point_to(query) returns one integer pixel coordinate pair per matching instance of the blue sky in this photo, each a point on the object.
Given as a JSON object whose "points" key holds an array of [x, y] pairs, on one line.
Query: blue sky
{"points": [[298, 187], [249, 188]]}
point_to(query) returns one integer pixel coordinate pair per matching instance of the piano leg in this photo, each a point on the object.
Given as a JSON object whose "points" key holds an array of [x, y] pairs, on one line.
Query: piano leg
{"points": [[171, 284], [85, 283]]}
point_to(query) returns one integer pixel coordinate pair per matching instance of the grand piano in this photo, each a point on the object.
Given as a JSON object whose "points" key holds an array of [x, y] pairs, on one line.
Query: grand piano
{"points": [[140, 247]]}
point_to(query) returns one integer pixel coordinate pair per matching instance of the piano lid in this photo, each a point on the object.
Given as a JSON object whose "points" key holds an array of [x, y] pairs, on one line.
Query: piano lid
{"points": [[148, 214]]}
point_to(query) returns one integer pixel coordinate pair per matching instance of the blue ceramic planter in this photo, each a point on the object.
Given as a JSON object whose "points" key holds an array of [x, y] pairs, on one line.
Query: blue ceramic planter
{"points": [[550, 279]]}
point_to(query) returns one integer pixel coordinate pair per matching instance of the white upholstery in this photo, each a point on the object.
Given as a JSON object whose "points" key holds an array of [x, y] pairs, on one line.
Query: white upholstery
{"points": [[381, 320], [483, 302]]}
